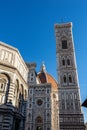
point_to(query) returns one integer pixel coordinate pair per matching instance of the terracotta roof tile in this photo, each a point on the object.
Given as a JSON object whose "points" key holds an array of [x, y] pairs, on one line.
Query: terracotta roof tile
{"points": [[47, 78]]}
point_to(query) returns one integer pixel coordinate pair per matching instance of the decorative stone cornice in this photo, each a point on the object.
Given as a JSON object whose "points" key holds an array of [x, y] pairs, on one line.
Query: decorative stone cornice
{"points": [[63, 25]]}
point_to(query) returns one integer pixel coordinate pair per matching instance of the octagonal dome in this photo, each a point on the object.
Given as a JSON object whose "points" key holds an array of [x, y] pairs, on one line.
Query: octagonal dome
{"points": [[44, 77]]}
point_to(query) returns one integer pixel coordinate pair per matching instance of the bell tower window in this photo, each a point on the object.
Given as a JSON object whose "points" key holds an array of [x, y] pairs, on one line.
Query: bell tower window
{"points": [[64, 44], [63, 62], [68, 62], [70, 79], [64, 79]]}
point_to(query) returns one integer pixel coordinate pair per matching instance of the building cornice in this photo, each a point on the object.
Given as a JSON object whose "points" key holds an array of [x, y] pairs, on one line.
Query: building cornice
{"points": [[63, 25], [14, 49]]}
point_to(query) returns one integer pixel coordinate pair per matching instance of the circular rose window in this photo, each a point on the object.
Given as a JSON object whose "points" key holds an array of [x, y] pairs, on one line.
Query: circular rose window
{"points": [[39, 102]]}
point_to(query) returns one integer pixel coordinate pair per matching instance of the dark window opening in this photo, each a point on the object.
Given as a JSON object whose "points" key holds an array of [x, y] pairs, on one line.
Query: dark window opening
{"points": [[64, 44], [47, 90], [17, 124], [70, 79], [64, 78], [63, 62], [48, 114], [39, 102], [68, 62], [31, 79], [1, 86], [47, 105], [30, 91]]}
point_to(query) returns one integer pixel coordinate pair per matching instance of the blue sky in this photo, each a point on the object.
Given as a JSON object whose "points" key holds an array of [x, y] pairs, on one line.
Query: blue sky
{"points": [[29, 26]]}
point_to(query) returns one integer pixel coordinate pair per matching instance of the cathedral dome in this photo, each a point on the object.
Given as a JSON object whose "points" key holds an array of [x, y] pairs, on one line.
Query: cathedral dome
{"points": [[44, 77]]}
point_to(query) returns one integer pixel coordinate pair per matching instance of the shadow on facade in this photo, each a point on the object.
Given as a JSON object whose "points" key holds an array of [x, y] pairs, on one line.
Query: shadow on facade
{"points": [[12, 118]]}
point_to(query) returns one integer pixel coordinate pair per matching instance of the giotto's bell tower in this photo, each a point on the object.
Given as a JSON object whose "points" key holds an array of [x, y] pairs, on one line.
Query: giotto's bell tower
{"points": [[70, 115]]}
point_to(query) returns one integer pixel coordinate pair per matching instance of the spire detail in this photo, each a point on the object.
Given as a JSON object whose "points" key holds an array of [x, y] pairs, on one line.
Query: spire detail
{"points": [[43, 67]]}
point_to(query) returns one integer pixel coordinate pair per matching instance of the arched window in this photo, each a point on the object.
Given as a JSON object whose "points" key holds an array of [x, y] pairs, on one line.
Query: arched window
{"points": [[68, 61], [32, 77], [64, 78], [4, 87], [70, 79], [63, 62], [64, 44]]}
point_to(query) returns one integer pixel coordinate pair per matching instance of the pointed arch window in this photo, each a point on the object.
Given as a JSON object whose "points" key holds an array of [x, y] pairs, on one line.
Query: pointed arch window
{"points": [[70, 79], [68, 61], [64, 78], [63, 62], [64, 44]]}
